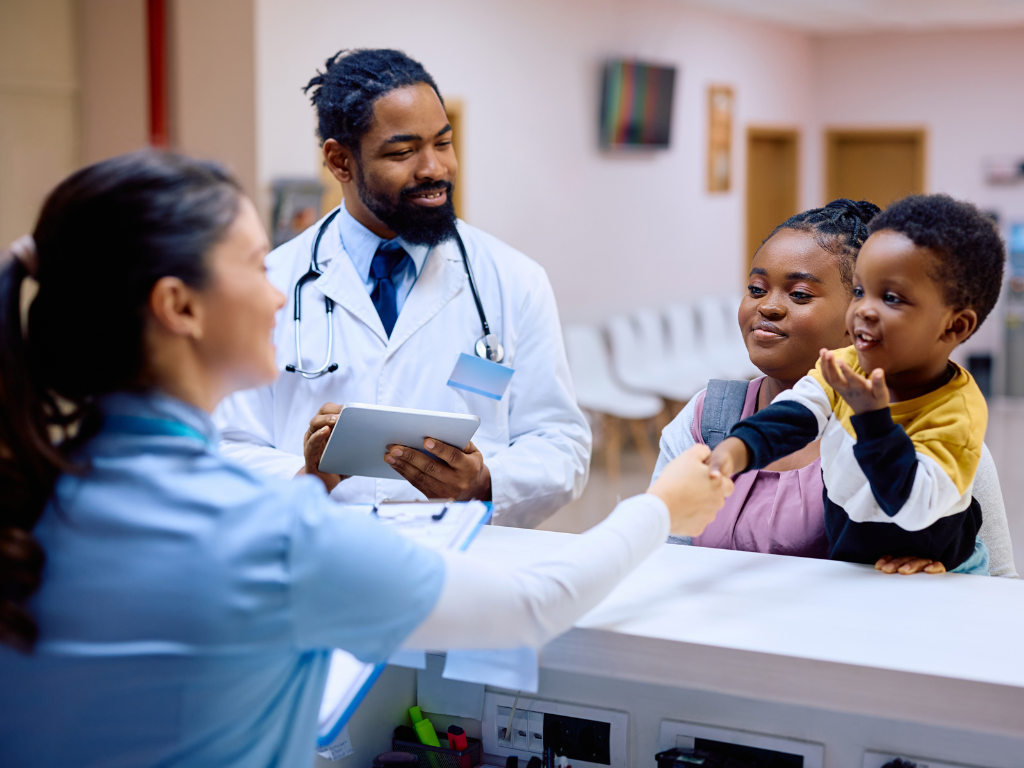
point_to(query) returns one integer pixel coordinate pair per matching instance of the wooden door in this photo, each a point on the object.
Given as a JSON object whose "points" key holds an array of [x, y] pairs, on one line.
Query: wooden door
{"points": [[880, 166], [453, 108], [771, 182]]}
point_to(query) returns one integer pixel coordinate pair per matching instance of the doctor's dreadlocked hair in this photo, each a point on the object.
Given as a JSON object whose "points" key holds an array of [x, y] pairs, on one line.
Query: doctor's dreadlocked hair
{"points": [[840, 228], [105, 236], [345, 92]]}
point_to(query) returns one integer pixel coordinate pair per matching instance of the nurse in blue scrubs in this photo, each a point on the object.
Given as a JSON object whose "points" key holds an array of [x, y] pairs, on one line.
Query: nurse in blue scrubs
{"points": [[160, 605]]}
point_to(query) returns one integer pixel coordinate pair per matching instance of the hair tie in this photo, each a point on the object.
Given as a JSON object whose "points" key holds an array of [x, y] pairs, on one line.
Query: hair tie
{"points": [[24, 250]]}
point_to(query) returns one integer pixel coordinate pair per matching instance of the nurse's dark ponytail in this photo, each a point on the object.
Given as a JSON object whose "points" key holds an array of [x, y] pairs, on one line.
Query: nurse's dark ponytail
{"points": [[105, 236]]}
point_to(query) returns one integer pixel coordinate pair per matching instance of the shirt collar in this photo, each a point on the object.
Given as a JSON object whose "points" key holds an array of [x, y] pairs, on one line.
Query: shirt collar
{"points": [[158, 406], [361, 244]]}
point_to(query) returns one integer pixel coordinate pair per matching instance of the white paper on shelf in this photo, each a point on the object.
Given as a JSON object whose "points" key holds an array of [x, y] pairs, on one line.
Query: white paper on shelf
{"points": [[515, 670], [339, 748], [345, 677], [440, 696]]}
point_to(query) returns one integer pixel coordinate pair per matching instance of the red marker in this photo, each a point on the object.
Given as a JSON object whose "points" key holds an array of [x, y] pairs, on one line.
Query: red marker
{"points": [[457, 741]]}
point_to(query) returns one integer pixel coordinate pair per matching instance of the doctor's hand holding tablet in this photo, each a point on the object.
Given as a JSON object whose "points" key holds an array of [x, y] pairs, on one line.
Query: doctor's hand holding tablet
{"points": [[441, 472]]}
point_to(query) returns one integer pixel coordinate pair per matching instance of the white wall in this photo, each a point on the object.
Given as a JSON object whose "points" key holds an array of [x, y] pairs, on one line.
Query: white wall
{"points": [[966, 88], [612, 231]]}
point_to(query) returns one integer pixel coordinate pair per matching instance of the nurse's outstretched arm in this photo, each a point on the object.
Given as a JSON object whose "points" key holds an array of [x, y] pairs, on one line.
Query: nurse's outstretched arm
{"points": [[486, 605]]}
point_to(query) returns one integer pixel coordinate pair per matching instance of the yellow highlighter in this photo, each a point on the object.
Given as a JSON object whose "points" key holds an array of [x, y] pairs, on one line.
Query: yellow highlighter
{"points": [[424, 728]]}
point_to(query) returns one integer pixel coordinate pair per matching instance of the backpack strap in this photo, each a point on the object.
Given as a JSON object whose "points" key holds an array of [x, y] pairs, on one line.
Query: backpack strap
{"points": [[723, 406]]}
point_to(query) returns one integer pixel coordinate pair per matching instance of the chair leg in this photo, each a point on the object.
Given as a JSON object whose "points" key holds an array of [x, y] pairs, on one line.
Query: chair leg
{"points": [[613, 448], [643, 443], [663, 418]]}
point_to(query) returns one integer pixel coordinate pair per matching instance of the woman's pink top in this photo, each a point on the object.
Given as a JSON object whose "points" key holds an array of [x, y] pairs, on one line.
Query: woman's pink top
{"points": [[781, 513]]}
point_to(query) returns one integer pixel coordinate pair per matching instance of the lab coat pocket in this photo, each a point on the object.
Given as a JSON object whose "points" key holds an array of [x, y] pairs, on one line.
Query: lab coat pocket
{"points": [[492, 435]]}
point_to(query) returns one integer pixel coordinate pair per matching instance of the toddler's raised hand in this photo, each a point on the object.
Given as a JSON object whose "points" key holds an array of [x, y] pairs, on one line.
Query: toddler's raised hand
{"points": [[863, 395]]}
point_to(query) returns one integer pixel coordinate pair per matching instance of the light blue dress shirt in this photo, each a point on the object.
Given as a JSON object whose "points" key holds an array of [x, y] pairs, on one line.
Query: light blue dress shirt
{"points": [[188, 605], [361, 244]]}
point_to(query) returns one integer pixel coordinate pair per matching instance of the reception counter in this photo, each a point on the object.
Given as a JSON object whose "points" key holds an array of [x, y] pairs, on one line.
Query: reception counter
{"points": [[823, 652]]}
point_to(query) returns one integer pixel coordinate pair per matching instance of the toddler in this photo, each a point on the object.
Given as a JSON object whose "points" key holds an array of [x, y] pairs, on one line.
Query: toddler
{"points": [[901, 427]]}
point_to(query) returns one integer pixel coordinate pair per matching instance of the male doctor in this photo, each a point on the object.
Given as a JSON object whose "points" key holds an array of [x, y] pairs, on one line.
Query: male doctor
{"points": [[404, 313]]}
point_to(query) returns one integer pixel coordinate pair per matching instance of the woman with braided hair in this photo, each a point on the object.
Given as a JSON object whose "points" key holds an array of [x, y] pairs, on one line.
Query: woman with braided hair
{"points": [[799, 289]]}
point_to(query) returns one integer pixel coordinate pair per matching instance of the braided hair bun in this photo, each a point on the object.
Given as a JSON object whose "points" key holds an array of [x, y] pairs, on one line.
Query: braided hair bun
{"points": [[840, 228], [860, 209]]}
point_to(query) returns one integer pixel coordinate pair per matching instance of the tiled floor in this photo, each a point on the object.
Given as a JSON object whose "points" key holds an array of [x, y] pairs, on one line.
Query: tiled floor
{"points": [[1005, 439]]}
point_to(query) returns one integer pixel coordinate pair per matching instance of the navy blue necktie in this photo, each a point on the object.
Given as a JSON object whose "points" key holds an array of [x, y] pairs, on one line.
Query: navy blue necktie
{"points": [[386, 261]]}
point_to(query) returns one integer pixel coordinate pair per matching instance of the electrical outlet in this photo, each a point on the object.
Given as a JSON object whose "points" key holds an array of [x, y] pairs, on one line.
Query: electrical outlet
{"points": [[560, 734], [588, 737], [578, 739], [520, 726], [592, 742], [536, 731], [504, 735], [767, 748]]}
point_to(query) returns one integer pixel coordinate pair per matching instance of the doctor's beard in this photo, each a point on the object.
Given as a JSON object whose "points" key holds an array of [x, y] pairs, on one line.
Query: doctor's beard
{"points": [[415, 224]]}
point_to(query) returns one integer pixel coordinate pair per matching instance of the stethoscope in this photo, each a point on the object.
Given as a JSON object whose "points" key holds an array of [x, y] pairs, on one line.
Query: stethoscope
{"points": [[487, 346]]}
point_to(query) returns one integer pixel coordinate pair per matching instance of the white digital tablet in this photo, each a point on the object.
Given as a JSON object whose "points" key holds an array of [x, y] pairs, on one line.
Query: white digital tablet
{"points": [[362, 433]]}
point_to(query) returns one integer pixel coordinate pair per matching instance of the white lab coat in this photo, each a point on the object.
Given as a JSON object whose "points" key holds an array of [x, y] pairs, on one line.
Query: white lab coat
{"points": [[535, 440]]}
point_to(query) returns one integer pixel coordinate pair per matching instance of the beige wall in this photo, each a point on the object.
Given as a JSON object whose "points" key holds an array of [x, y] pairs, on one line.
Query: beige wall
{"points": [[213, 83], [114, 76], [39, 122], [74, 89]]}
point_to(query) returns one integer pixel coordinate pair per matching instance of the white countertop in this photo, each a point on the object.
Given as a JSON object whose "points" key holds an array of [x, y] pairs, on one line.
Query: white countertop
{"points": [[945, 650]]}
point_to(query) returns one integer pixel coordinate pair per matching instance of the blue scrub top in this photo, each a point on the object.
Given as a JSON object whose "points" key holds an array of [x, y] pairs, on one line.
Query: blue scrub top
{"points": [[188, 607]]}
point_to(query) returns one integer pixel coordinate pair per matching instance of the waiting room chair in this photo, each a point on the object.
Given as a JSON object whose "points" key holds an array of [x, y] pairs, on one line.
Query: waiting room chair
{"points": [[599, 391]]}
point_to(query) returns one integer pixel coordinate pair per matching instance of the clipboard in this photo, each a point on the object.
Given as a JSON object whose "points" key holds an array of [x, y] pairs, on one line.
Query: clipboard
{"points": [[437, 525]]}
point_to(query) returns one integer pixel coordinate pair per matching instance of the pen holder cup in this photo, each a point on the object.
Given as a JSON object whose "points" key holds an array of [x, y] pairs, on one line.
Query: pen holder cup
{"points": [[439, 757]]}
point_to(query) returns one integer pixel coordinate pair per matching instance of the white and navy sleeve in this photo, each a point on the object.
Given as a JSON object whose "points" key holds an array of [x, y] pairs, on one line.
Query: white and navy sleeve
{"points": [[795, 418]]}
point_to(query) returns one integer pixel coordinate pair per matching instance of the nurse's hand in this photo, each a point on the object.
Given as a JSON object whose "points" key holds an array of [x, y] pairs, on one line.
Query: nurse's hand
{"points": [[459, 475], [692, 491], [314, 442]]}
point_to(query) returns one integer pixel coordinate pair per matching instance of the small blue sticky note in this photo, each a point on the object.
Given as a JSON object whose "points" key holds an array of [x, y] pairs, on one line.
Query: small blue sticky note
{"points": [[484, 377]]}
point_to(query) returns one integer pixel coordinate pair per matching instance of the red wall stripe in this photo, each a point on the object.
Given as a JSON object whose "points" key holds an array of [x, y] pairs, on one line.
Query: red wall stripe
{"points": [[156, 17]]}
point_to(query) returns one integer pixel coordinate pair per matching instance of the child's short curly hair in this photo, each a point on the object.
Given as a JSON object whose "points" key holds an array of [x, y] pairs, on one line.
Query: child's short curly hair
{"points": [[969, 252]]}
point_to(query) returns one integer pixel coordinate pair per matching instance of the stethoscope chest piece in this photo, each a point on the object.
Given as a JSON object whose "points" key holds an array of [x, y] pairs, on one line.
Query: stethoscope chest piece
{"points": [[489, 348]]}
